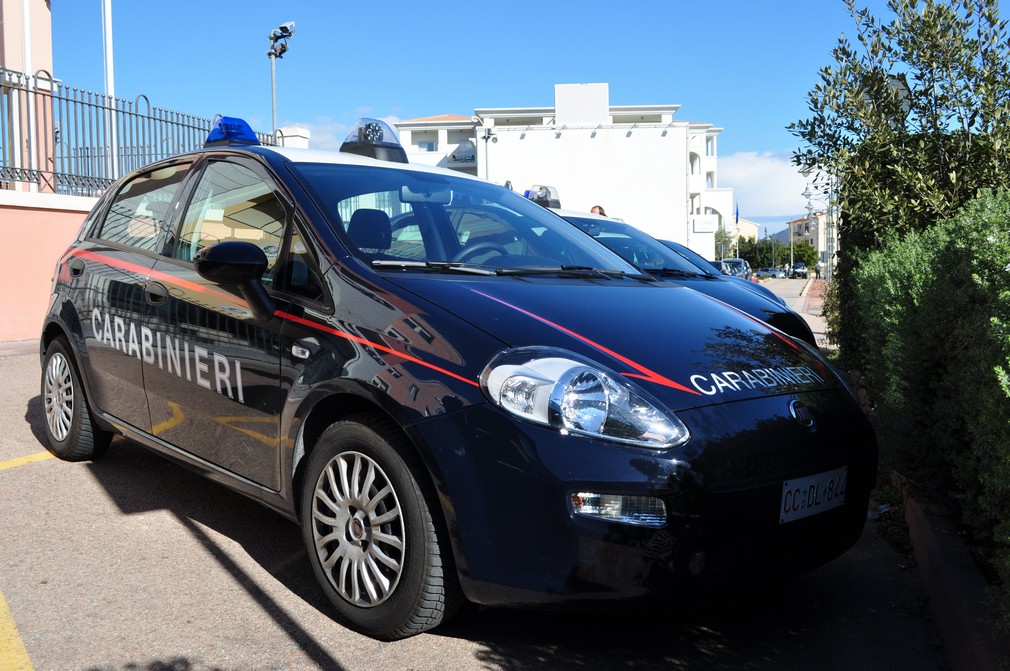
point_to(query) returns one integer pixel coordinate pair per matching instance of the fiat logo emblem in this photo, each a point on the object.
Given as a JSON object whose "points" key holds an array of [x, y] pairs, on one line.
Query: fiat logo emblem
{"points": [[801, 413]]}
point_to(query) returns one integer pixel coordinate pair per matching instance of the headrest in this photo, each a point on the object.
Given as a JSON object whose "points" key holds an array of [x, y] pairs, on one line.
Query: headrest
{"points": [[370, 229]]}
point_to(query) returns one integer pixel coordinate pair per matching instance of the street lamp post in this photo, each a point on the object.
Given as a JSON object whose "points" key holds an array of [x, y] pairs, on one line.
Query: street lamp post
{"points": [[811, 221], [487, 133], [829, 266], [278, 46]]}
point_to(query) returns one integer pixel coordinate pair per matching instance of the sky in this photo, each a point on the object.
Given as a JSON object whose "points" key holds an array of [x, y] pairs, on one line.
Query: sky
{"points": [[744, 66]]}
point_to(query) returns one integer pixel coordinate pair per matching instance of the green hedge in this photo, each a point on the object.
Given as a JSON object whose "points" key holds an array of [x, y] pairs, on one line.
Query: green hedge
{"points": [[935, 341]]}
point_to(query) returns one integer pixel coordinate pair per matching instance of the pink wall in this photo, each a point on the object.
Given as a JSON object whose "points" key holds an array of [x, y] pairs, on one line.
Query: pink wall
{"points": [[35, 229]]}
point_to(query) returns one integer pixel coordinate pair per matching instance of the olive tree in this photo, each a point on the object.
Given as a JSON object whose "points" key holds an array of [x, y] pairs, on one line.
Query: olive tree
{"points": [[910, 121]]}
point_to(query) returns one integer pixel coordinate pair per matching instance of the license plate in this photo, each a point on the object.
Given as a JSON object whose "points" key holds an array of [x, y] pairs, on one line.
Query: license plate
{"points": [[812, 495]]}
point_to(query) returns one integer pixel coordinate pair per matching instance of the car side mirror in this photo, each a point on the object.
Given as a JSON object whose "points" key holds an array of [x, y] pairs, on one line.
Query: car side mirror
{"points": [[238, 264]]}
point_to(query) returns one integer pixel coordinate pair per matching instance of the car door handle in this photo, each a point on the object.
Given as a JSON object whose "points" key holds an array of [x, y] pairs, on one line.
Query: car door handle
{"points": [[155, 293], [76, 267]]}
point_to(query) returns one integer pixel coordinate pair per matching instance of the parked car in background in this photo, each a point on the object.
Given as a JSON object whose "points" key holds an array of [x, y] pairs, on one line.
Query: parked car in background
{"points": [[799, 270], [737, 268], [655, 258], [775, 273], [709, 267]]}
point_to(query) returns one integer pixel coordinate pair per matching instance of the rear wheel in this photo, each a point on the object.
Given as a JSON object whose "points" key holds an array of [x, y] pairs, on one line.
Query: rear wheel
{"points": [[367, 524], [70, 429]]}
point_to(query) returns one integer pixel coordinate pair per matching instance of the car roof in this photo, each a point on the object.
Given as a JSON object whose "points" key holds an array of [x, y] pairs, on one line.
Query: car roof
{"points": [[298, 155]]}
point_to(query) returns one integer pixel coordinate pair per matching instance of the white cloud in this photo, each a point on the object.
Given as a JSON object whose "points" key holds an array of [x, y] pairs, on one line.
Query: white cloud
{"points": [[764, 185]]}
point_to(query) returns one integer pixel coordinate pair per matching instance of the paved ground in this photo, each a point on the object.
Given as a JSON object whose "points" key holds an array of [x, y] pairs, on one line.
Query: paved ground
{"points": [[805, 297], [133, 564]]}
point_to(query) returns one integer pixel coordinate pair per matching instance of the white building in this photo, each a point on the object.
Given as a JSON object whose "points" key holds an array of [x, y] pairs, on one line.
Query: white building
{"points": [[817, 230], [635, 160], [447, 140]]}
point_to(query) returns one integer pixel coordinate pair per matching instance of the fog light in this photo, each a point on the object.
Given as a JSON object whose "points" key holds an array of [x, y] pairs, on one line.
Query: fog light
{"points": [[643, 511], [696, 562]]}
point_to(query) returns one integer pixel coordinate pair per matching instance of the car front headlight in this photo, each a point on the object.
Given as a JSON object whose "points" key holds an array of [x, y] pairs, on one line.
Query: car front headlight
{"points": [[562, 390]]}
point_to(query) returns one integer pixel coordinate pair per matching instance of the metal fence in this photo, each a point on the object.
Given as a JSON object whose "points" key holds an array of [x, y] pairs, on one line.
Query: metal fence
{"points": [[61, 139]]}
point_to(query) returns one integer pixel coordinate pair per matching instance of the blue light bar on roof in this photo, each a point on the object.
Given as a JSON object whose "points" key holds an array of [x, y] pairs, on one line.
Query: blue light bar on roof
{"points": [[231, 131]]}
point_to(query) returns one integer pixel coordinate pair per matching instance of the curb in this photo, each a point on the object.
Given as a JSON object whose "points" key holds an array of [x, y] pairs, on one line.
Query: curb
{"points": [[806, 287], [18, 347], [956, 590]]}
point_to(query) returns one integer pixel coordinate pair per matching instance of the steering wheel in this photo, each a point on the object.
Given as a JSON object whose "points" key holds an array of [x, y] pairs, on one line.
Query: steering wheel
{"points": [[472, 250]]}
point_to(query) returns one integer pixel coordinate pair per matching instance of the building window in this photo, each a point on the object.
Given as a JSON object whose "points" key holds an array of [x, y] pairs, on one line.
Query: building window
{"points": [[709, 180], [426, 145]]}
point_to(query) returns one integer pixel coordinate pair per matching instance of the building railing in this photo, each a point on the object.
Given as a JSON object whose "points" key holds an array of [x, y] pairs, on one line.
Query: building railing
{"points": [[60, 139]]}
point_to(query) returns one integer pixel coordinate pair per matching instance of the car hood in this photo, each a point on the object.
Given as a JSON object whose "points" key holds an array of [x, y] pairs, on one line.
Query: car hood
{"points": [[753, 287], [682, 346], [741, 297], [730, 292]]}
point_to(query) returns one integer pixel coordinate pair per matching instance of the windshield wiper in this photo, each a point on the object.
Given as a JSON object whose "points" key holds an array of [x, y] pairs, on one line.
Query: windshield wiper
{"points": [[672, 272], [574, 271], [474, 269], [435, 266]]}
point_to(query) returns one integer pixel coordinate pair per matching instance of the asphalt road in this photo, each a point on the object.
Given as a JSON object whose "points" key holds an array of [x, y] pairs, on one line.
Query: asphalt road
{"points": [[134, 564]]}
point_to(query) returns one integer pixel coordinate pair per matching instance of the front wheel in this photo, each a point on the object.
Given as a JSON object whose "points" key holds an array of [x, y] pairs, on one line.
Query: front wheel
{"points": [[71, 431], [371, 538]]}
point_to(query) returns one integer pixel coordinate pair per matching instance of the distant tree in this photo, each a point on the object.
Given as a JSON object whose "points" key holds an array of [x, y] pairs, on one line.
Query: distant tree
{"points": [[747, 249], [723, 243], [804, 252], [764, 253]]}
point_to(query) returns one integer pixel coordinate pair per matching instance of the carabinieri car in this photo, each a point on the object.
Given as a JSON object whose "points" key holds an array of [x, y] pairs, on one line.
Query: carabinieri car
{"points": [[457, 394]]}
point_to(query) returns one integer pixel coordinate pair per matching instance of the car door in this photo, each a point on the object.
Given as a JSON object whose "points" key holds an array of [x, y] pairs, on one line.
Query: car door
{"points": [[214, 387], [109, 271]]}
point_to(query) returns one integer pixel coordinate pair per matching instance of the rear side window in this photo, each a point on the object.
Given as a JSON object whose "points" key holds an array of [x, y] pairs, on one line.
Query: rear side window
{"points": [[139, 211]]}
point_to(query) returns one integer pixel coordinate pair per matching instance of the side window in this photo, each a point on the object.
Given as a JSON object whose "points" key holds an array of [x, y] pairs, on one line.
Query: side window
{"points": [[139, 210], [232, 202], [300, 274]]}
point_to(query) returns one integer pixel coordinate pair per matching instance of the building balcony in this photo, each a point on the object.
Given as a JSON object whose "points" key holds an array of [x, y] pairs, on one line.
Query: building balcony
{"points": [[462, 154]]}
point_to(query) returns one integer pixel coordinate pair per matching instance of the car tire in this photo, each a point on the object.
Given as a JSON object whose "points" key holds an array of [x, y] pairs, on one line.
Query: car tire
{"points": [[373, 542], [71, 432]]}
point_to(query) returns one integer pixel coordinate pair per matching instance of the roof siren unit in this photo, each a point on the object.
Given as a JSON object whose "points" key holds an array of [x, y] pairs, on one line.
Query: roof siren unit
{"points": [[231, 132], [543, 195], [374, 138]]}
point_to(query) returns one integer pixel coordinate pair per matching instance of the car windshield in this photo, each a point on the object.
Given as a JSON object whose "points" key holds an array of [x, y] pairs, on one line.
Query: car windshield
{"points": [[402, 218], [635, 246], [693, 257]]}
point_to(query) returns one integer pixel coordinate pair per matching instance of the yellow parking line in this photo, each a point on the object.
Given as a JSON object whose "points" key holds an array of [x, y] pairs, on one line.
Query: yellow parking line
{"points": [[20, 461], [13, 656], [176, 419]]}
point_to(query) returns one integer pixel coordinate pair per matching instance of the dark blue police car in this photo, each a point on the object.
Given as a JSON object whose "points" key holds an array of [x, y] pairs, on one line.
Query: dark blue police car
{"points": [[457, 394]]}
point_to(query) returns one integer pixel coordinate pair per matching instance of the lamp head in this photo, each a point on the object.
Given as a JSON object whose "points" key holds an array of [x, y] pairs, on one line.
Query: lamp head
{"points": [[283, 32]]}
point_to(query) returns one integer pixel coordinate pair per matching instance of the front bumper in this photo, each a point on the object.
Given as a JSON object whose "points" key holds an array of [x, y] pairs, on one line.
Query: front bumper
{"points": [[506, 489]]}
